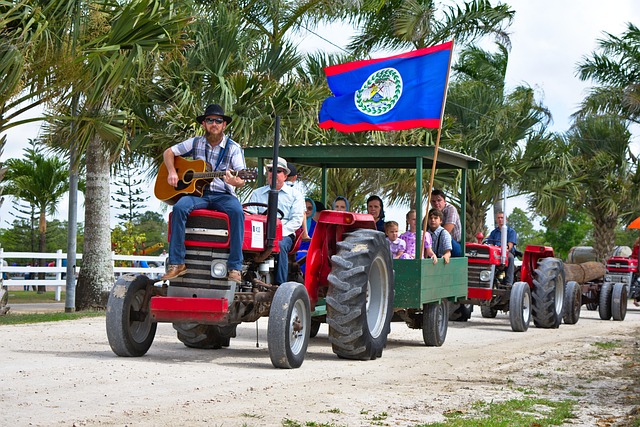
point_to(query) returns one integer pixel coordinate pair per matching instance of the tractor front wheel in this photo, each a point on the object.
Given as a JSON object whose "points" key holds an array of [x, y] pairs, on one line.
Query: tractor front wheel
{"points": [[520, 307], [130, 329], [360, 298], [289, 326]]}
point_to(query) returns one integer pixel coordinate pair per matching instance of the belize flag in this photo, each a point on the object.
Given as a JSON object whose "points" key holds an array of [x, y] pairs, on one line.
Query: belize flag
{"points": [[405, 91]]}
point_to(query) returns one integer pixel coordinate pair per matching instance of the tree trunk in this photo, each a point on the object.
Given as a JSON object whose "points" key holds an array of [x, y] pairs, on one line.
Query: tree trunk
{"points": [[96, 273], [585, 272], [604, 227], [42, 247]]}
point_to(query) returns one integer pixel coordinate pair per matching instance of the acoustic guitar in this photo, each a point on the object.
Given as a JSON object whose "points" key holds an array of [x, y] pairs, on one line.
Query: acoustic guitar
{"points": [[193, 176]]}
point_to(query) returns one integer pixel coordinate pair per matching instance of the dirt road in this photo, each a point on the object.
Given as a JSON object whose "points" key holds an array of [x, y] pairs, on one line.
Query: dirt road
{"points": [[64, 373]]}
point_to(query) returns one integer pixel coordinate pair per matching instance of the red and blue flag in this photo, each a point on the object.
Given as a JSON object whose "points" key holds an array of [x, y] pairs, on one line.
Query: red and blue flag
{"points": [[404, 91]]}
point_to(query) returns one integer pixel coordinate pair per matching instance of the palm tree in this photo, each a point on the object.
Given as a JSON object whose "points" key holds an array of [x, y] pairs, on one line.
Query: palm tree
{"points": [[490, 124], [413, 24], [117, 46], [589, 168], [617, 71], [41, 182]]}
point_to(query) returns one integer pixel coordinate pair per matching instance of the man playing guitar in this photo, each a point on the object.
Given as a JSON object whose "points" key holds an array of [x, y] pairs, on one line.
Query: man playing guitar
{"points": [[222, 154]]}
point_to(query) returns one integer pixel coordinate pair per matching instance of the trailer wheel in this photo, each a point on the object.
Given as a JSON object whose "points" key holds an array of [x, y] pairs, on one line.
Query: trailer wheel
{"points": [[520, 307], [289, 326], [196, 335], [604, 305], [488, 312], [130, 329], [619, 297], [460, 312], [572, 302], [548, 293], [360, 298], [435, 323], [592, 306]]}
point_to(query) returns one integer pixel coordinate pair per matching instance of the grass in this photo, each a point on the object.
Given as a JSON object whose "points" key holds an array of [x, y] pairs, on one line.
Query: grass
{"points": [[512, 413], [31, 297], [18, 319]]}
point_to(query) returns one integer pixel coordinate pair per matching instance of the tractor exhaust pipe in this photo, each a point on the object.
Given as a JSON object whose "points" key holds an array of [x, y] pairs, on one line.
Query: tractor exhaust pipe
{"points": [[273, 193]]}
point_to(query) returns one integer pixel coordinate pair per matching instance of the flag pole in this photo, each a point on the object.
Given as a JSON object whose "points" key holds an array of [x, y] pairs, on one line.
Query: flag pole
{"points": [[435, 154]]}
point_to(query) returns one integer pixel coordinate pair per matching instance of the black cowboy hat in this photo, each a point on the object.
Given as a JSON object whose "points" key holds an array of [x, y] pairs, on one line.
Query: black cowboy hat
{"points": [[213, 110]]}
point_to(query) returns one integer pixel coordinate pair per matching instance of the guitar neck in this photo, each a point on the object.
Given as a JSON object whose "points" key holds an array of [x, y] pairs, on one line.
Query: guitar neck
{"points": [[209, 175]]}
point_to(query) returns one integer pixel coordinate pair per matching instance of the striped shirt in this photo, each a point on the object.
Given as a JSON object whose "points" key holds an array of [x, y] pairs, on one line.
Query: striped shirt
{"points": [[199, 149], [441, 241]]}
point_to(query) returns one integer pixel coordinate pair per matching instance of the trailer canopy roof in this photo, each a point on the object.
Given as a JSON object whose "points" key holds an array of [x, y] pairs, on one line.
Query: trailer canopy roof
{"points": [[365, 156]]}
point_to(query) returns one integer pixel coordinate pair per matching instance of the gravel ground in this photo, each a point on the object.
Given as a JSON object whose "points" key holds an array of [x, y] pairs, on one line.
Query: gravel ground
{"points": [[64, 373]]}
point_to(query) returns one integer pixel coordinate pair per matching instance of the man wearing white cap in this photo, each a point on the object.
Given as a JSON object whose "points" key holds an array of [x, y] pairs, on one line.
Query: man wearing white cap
{"points": [[291, 203]]}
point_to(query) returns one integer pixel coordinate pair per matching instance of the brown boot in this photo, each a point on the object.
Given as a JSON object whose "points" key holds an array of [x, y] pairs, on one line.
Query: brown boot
{"points": [[234, 276], [174, 271]]}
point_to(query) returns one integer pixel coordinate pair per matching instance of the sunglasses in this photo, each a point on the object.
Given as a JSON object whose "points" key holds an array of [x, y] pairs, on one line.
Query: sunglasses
{"points": [[279, 170], [210, 121]]}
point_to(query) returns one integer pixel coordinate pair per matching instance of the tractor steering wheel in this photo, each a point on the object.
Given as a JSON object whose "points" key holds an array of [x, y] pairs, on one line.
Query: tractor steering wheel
{"points": [[262, 205]]}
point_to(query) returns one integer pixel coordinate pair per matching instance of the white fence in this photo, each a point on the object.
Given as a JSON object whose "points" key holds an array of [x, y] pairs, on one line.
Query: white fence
{"points": [[14, 276]]}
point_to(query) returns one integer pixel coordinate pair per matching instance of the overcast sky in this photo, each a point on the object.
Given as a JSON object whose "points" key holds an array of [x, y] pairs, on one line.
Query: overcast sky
{"points": [[548, 39]]}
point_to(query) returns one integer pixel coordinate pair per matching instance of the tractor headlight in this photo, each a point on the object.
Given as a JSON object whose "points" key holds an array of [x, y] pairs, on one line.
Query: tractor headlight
{"points": [[485, 275], [218, 269]]}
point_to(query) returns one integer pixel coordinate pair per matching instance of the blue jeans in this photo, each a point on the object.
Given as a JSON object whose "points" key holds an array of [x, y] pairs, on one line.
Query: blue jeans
{"points": [[282, 269], [223, 202]]}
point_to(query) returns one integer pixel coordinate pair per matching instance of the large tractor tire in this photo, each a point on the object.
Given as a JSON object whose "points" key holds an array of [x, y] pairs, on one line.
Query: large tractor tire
{"points": [[4, 301], [572, 302], [130, 329], [435, 323], [360, 298], [619, 299], [604, 305], [488, 312], [289, 326], [196, 335], [548, 293], [460, 312], [520, 307]]}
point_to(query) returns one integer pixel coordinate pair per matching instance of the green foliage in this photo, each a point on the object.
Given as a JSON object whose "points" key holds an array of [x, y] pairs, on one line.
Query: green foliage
{"points": [[573, 230], [130, 194], [527, 235], [21, 237], [125, 240]]}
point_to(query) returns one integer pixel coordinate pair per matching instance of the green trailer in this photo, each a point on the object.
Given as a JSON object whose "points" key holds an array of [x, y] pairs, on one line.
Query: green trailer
{"points": [[420, 289]]}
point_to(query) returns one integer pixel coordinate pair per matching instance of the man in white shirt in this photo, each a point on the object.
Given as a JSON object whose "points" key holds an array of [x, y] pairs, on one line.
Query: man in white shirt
{"points": [[291, 203]]}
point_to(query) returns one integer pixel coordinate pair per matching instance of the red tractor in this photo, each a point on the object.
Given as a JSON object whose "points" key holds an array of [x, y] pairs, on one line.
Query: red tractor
{"points": [[346, 252], [539, 293]]}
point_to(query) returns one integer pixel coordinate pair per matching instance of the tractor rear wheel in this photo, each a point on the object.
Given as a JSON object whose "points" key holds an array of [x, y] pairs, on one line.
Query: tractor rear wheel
{"points": [[360, 298], [520, 307], [488, 312], [604, 305], [460, 312], [572, 302], [619, 297], [130, 329], [435, 323], [196, 335], [548, 293], [289, 326]]}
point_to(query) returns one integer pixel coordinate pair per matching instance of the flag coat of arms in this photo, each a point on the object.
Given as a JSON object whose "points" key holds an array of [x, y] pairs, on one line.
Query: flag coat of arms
{"points": [[404, 91]]}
